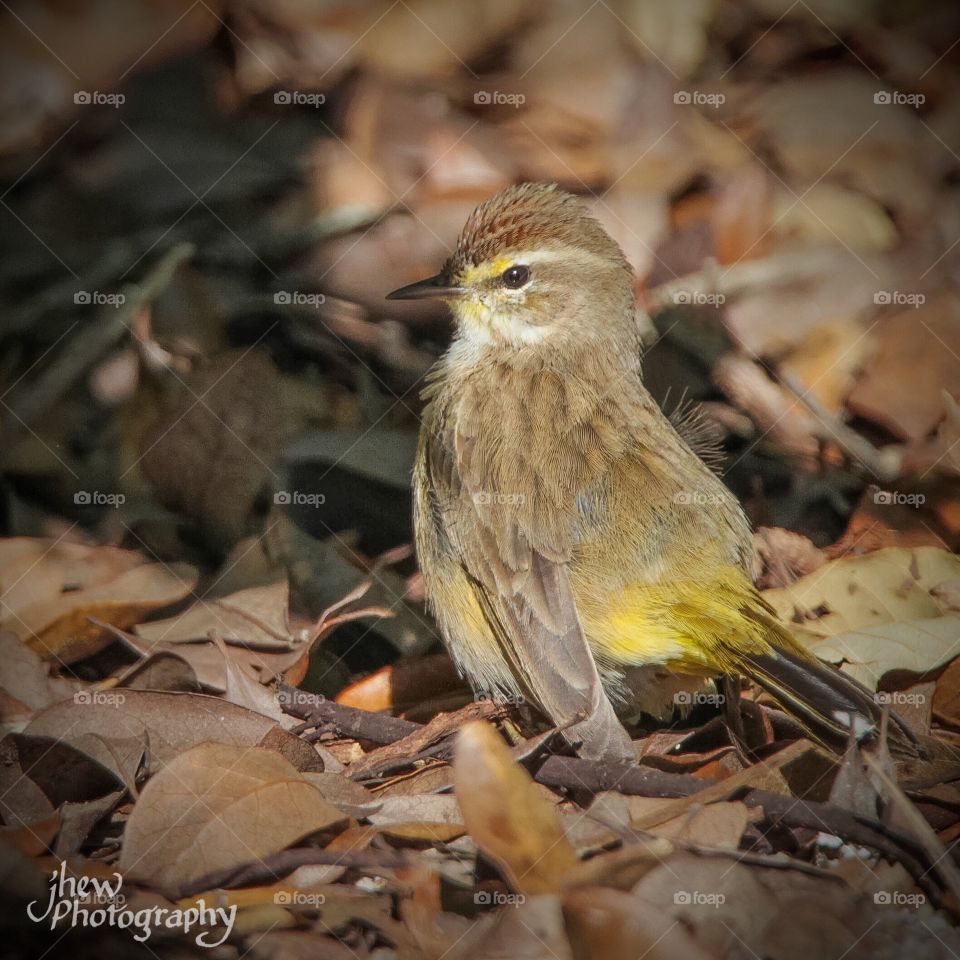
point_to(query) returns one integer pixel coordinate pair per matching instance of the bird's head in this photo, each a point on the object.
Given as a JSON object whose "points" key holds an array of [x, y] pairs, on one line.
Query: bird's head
{"points": [[532, 266]]}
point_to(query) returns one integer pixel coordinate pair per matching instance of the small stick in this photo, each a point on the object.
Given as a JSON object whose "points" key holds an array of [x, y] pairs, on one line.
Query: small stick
{"points": [[345, 721]]}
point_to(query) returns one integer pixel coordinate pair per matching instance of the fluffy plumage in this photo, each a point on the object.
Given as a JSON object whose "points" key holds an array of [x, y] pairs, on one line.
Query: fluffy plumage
{"points": [[566, 531]]}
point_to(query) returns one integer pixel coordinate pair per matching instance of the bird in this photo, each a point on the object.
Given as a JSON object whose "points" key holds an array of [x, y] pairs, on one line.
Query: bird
{"points": [[566, 531]]}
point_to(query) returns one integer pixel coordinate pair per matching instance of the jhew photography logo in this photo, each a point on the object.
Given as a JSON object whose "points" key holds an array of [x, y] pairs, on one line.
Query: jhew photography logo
{"points": [[87, 98], [496, 98], [95, 902], [699, 98], [697, 898], [297, 298], [295, 498], [299, 98]]}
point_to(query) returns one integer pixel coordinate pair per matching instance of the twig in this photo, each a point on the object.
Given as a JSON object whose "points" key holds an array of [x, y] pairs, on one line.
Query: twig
{"points": [[423, 738], [943, 862], [884, 464], [345, 721], [740, 277], [594, 776]]}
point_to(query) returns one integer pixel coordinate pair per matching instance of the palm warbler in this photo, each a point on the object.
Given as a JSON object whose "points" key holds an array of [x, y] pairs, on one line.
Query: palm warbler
{"points": [[565, 530]]}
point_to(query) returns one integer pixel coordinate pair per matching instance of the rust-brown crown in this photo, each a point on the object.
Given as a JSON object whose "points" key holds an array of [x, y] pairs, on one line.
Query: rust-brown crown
{"points": [[529, 216]]}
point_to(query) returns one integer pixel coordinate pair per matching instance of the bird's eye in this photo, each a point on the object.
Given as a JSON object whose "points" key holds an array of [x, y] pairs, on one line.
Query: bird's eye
{"points": [[515, 277]]}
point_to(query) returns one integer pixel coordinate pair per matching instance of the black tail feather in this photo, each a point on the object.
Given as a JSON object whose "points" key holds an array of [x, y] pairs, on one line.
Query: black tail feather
{"points": [[824, 700]]}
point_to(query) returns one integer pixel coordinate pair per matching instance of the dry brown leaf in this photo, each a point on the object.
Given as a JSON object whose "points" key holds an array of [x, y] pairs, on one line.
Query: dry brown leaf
{"points": [[781, 557], [244, 690], [675, 34], [772, 316], [606, 924], [740, 219], [426, 38], [830, 214], [505, 814], [914, 646], [60, 627], [346, 795], [173, 722], [827, 124], [916, 362], [32, 569], [218, 806], [254, 617], [827, 359], [716, 825], [875, 613], [435, 808], [853, 593], [98, 48], [25, 680]]}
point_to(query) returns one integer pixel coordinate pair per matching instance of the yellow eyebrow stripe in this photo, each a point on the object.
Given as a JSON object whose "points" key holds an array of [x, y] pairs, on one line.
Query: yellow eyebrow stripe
{"points": [[492, 268]]}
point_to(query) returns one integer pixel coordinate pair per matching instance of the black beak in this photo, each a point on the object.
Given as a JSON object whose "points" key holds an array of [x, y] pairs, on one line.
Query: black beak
{"points": [[433, 288]]}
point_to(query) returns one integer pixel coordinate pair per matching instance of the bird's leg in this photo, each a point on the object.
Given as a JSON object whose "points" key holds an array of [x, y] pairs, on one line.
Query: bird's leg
{"points": [[729, 689]]}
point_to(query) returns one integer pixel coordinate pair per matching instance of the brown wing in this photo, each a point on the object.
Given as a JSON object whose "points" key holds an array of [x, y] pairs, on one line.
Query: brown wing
{"points": [[511, 530]]}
